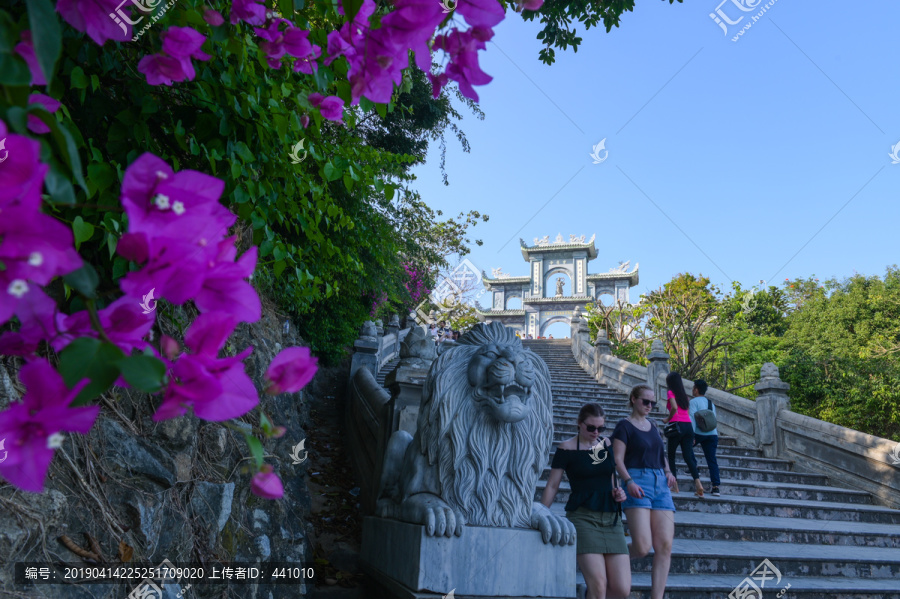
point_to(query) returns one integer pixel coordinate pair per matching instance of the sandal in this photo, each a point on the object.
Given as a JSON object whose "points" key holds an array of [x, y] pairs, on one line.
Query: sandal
{"points": [[698, 488]]}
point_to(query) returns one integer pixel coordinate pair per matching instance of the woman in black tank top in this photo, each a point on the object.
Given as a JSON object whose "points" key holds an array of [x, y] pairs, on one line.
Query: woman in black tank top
{"points": [[593, 506]]}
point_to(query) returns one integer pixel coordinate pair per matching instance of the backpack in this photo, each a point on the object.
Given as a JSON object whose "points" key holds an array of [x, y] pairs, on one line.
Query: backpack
{"points": [[706, 419]]}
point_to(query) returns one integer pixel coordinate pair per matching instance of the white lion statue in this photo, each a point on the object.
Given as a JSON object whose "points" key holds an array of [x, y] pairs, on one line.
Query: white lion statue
{"points": [[483, 437]]}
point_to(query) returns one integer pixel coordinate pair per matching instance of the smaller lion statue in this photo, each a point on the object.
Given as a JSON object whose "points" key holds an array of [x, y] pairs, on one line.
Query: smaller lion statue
{"points": [[483, 437]]}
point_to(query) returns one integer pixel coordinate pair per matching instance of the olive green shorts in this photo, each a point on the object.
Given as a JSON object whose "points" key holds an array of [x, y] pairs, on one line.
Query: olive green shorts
{"points": [[596, 532]]}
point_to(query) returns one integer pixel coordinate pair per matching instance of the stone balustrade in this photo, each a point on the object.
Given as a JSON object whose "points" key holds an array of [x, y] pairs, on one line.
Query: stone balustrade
{"points": [[377, 345], [854, 458]]}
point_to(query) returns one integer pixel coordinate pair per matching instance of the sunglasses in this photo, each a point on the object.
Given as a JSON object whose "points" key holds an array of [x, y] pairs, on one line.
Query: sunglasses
{"points": [[647, 402], [591, 428]]}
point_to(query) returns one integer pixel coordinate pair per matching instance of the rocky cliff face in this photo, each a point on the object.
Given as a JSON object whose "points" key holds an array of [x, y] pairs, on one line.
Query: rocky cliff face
{"points": [[179, 490]]}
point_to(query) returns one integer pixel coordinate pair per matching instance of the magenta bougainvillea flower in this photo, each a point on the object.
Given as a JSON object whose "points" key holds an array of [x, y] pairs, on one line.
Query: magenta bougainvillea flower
{"points": [[266, 484], [225, 287], [21, 172], [480, 13], [291, 370], [174, 268], [37, 316], [25, 49], [161, 69], [213, 17], [31, 427], [463, 46], [123, 321], [175, 226], [34, 248], [217, 389], [297, 43], [93, 18], [183, 43], [304, 121], [35, 124], [249, 11], [331, 107], [160, 202], [291, 41]]}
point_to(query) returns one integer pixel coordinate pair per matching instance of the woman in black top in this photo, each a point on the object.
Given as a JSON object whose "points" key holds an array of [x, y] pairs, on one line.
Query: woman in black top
{"points": [[593, 506]]}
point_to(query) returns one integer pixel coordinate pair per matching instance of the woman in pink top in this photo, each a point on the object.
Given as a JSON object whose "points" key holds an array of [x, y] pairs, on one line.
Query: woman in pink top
{"points": [[678, 412]]}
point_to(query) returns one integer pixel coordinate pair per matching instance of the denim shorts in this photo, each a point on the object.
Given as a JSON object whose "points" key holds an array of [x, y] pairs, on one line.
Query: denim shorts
{"points": [[656, 490]]}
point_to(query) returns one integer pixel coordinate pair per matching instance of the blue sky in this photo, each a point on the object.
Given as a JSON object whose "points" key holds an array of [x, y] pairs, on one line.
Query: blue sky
{"points": [[725, 158]]}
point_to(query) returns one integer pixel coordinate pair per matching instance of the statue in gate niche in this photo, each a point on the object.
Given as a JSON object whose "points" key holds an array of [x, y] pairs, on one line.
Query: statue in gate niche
{"points": [[483, 437], [559, 286]]}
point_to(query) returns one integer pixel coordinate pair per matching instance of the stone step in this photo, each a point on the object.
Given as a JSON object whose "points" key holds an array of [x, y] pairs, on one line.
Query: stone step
{"points": [[785, 508], [709, 586], [704, 527], [738, 489], [740, 558], [744, 474], [386, 370], [771, 529], [721, 450], [736, 462]]}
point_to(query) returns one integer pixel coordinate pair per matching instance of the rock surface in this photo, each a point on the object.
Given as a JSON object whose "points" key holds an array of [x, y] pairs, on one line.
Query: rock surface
{"points": [[176, 490]]}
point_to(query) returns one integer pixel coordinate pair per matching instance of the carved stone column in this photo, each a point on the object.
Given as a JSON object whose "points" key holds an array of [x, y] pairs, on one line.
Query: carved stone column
{"points": [[405, 382], [602, 345], [365, 350], [393, 327], [659, 364], [771, 400]]}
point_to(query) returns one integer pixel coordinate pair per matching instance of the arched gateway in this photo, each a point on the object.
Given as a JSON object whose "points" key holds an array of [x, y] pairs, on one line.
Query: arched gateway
{"points": [[541, 292]]}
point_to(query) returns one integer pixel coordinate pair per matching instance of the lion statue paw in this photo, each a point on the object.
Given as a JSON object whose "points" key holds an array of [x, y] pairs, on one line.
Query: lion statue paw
{"points": [[555, 529]]}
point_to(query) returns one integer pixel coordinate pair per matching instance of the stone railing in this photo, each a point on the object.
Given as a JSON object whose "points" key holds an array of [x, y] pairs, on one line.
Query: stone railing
{"points": [[377, 345], [370, 418], [853, 458], [369, 415]]}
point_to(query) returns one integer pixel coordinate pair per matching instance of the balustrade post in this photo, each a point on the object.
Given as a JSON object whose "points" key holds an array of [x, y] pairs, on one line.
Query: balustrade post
{"points": [[658, 364], [365, 350], [772, 399]]}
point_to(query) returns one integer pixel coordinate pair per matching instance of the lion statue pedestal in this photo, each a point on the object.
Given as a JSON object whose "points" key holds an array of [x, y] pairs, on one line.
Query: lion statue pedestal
{"points": [[455, 508], [483, 561]]}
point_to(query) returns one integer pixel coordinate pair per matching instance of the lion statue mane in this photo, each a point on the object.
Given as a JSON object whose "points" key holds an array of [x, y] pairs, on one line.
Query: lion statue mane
{"points": [[484, 432]]}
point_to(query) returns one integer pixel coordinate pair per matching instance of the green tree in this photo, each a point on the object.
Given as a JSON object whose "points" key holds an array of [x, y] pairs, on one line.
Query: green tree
{"points": [[683, 314], [557, 17]]}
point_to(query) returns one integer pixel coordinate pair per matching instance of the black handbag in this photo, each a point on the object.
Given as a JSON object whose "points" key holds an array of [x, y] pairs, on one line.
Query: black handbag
{"points": [[671, 430]]}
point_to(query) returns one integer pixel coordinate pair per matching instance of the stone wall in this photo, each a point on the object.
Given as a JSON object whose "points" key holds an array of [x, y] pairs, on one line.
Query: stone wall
{"points": [[177, 489]]}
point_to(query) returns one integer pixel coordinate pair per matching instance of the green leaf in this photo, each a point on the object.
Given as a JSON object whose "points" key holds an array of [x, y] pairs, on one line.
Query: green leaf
{"points": [[9, 37], [351, 7], [84, 280], [279, 267], [83, 231], [67, 146], [143, 372], [100, 175], [90, 358], [286, 8], [120, 268], [13, 70], [256, 449], [78, 79], [46, 34], [111, 242], [59, 186], [332, 173]]}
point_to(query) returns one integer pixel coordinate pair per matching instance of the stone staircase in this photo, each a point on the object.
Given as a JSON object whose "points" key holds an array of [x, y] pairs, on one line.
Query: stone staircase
{"points": [[825, 540], [385, 370]]}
